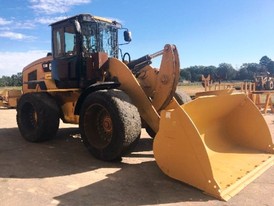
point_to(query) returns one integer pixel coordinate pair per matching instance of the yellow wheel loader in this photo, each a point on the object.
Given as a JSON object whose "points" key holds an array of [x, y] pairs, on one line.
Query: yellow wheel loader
{"points": [[219, 142]]}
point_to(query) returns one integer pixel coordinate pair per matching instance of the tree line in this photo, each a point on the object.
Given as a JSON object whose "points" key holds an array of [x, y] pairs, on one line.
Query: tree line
{"points": [[11, 81], [224, 72]]}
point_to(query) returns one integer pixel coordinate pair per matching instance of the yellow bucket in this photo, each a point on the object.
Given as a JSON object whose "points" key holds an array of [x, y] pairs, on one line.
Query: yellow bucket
{"points": [[218, 144]]}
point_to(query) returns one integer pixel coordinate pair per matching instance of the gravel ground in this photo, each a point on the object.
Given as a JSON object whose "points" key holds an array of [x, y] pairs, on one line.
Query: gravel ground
{"points": [[62, 172]]}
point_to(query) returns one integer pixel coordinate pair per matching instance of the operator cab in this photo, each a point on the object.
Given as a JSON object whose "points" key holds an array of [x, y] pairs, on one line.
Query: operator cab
{"points": [[80, 46]]}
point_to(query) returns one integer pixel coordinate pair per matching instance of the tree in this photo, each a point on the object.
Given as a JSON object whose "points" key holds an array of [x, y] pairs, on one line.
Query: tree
{"points": [[270, 67], [264, 61], [243, 74], [248, 71], [193, 73], [14, 80], [196, 73], [185, 74], [17, 79], [5, 81], [212, 71], [226, 72], [267, 64]]}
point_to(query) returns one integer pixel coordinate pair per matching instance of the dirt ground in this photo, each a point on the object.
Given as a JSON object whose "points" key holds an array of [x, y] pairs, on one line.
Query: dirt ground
{"points": [[62, 172]]}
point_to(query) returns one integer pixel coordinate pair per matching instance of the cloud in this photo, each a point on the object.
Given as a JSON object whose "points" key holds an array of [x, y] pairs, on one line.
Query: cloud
{"points": [[16, 36], [4, 22], [7, 27], [14, 62], [53, 6], [16, 24], [49, 20], [24, 25]]}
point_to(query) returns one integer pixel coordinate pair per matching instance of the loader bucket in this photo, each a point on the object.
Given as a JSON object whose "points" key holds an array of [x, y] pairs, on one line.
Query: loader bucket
{"points": [[218, 144]]}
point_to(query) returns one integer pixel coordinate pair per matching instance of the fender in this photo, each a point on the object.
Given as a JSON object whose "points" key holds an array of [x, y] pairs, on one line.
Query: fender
{"points": [[93, 88], [34, 83]]}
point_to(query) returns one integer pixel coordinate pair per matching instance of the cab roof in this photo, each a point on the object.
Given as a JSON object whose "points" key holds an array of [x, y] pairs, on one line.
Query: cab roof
{"points": [[90, 18]]}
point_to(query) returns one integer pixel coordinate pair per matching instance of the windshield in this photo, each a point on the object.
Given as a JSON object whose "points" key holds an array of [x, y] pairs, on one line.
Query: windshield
{"points": [[99, 38]]}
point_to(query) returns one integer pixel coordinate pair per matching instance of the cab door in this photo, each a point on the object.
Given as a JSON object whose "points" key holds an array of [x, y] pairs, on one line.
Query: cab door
{"points": [[65, 64]]}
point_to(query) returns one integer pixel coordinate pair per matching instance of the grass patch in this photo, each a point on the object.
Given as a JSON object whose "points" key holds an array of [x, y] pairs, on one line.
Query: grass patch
{"points": [[10, 88], [191, 88]]}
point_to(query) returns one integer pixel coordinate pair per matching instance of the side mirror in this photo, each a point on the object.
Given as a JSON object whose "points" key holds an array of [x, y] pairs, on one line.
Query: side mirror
{"points": [[127, 36]]}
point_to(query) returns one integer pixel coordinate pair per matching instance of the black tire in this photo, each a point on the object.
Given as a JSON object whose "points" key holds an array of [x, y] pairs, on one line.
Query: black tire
{"points": [[269, 85], [110, 124], [181, 98], [37, 117]]}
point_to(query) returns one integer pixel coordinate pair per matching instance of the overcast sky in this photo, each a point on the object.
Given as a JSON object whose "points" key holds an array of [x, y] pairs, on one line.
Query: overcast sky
{"points": [[206, 32]]}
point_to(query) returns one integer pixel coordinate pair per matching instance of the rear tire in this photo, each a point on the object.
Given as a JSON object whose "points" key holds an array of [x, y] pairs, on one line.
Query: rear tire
{"points": [[37, 117], [110, 124]]}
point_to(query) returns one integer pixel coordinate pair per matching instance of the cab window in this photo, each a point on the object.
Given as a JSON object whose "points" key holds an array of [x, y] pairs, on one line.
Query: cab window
{"points": [[70, 41], [58, 42], [64, 40]]}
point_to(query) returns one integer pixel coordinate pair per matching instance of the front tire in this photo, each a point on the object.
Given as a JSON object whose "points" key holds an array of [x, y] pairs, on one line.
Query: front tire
{"points": [[37, 117], [110, 124]]}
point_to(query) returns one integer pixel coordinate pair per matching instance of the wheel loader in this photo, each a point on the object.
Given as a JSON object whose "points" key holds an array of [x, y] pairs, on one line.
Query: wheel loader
{"points": [[218, 142], [264, 81]]}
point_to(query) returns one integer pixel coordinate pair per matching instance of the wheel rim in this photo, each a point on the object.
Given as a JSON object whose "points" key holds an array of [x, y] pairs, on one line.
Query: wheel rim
{"points": [[98, 126], [29, 116], [107, 124]]}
